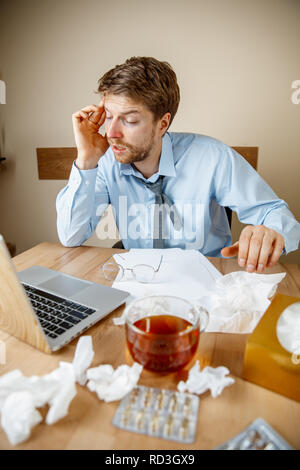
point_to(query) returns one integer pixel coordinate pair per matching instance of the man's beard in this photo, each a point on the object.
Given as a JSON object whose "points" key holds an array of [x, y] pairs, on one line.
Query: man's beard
{"points": [[133, 153]]}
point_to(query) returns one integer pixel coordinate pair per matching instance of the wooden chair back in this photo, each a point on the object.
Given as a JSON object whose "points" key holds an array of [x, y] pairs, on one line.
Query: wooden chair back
{"points": [[55, 163]]}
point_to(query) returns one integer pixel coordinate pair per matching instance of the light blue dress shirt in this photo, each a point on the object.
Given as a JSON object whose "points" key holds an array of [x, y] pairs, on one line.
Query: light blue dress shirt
{"points": [[201, 176]]}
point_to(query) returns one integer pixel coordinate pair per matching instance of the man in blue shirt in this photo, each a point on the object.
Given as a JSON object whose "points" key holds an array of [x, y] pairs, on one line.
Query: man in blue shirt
{"points": [[166, 189]]}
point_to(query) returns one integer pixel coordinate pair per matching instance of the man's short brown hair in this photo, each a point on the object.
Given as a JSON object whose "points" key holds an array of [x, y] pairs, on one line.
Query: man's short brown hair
{"points": [[146, 80]]}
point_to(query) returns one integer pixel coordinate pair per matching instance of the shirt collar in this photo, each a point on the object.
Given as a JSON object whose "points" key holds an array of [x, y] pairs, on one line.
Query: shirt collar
{"points": [[166, 163]]}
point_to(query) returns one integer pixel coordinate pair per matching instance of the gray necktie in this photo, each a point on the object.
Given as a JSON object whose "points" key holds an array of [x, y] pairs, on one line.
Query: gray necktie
{"points": [[160, 199]]}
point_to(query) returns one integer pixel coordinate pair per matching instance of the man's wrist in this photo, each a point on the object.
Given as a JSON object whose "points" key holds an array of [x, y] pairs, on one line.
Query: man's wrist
{"points": [[85, 165]]}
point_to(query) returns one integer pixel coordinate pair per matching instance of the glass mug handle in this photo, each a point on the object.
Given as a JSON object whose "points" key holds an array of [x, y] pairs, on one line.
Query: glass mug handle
{"points": [[203, 316]]}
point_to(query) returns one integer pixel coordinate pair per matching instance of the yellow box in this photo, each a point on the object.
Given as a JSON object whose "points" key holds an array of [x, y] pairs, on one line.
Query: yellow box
{"points": [[266, 362]]}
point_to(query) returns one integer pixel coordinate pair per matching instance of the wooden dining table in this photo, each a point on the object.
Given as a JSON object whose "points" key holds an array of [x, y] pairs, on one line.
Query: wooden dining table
{"points": [[88, 424]]}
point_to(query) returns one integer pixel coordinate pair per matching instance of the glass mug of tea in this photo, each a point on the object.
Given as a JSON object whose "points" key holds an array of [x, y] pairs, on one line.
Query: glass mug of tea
{"points": [[162, 331]]}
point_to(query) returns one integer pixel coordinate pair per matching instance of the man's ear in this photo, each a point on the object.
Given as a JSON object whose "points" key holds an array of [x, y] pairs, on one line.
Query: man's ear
{"points": [[164, 123]]}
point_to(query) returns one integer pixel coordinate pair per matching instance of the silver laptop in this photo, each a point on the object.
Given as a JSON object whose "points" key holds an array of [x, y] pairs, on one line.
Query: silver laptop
{"points": [[47, 308]]}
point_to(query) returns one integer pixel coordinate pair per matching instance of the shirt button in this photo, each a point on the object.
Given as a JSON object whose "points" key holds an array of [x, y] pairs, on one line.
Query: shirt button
{"points": [[87, 183]]}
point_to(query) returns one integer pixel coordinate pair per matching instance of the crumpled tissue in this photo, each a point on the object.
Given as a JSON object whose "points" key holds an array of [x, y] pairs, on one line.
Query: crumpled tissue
{"points": [[288, 330], [83, 358], [18, 416], [20, 395], [111, 385], [239, 300], [209, 378]]}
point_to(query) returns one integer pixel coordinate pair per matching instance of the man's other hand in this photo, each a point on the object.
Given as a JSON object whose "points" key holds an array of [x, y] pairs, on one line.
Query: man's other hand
{"points": [[259, 247]]}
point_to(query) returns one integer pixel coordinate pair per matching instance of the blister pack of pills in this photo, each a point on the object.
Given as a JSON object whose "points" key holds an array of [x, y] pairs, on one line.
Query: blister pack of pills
{"points": [[258, 436], [159, 413]]}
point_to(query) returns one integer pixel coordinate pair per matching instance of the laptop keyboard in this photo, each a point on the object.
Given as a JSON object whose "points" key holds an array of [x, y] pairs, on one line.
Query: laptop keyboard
{"points": [[56, 314]]}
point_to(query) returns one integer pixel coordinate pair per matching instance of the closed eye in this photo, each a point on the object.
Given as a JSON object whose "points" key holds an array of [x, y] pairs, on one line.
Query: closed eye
{"points": [[108, 118]]}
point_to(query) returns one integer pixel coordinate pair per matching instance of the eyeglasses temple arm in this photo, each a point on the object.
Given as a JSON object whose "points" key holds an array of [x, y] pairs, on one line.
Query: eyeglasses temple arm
{"points": [[105, 261], [157, 269]]}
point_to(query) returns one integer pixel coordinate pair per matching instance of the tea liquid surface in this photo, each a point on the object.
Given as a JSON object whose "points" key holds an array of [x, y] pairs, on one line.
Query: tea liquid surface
{"points": [[163, 324]]}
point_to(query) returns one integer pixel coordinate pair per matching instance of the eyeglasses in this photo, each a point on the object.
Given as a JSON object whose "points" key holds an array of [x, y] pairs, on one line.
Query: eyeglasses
{"points": [[140, 272]]}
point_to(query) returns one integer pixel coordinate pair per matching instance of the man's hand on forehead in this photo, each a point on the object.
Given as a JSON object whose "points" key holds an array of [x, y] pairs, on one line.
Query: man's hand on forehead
{"points": [[91, 145], [96, 113]]}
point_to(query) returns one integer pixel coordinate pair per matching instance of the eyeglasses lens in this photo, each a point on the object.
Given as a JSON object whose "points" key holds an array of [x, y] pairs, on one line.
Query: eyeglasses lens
{"points": [[143, 273], [111, 271]]}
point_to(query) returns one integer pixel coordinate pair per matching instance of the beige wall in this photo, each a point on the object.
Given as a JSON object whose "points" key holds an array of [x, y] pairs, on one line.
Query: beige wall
{"points": [[235, 62]]}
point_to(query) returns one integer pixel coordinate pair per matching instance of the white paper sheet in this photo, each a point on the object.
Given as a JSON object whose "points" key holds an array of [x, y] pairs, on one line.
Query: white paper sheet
{"points": [[184, 273]]}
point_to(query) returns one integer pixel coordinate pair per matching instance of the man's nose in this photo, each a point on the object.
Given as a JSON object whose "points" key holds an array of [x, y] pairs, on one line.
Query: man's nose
{"points": [[113, 130]]}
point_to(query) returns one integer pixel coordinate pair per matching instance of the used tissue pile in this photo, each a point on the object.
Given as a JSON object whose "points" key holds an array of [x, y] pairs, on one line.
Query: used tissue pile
{"points": [[239, 300], [20, 396]]}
